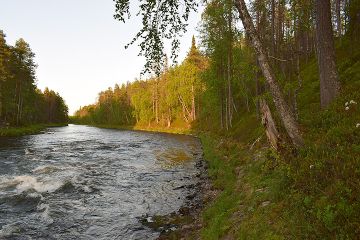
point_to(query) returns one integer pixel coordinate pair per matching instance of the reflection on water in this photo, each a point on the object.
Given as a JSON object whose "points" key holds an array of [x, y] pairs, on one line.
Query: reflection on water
{"points": [[82, 182]]}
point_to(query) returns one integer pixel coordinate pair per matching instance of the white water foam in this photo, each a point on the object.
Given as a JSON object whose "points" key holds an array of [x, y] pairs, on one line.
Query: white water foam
{"points": [[28, 182], [25, 183]]}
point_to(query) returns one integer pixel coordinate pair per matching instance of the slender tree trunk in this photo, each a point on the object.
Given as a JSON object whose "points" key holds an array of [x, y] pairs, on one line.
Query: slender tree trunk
{"points": [[287, 118], [157, 101], [169, 118], [1, 100], [279, 30], [193, 111], [296, 92], [226, 114], [338, 17], [257, 92], [273, 27], [221, 111], [329, 82], [229, 72]]}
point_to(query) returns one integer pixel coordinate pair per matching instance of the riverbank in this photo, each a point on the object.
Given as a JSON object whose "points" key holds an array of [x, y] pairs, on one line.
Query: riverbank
{"points": [[156, 129], [27, 130]]}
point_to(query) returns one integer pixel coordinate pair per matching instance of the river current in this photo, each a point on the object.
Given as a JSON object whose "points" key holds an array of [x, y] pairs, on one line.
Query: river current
{"points": [[80, 182]]}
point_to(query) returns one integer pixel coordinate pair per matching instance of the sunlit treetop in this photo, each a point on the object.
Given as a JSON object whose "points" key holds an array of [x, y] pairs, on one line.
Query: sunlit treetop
{"points": [[161, 20]]}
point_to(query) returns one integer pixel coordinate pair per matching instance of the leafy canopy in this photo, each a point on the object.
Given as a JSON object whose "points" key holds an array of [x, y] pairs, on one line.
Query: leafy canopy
{"points": [[161, 19]]}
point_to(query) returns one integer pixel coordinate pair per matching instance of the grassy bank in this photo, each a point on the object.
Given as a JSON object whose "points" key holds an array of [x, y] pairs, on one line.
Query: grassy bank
{"points": [[27, 130], [310, 194], [173, 130]]}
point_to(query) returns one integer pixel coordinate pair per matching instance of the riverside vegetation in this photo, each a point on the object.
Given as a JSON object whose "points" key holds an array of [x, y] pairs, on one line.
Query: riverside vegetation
{"points": [[306, 185], [24, 109]]}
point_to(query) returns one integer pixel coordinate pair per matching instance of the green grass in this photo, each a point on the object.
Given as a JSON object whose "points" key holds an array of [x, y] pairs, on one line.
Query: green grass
{"points": [[173, 130], [26, 130]]}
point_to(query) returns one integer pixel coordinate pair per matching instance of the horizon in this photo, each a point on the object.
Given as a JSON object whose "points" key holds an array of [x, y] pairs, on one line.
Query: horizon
{"points": [[68, 64]]}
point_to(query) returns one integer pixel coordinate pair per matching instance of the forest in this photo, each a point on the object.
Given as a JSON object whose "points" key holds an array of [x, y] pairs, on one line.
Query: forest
{"points": [[21, 102], [272, 89]]}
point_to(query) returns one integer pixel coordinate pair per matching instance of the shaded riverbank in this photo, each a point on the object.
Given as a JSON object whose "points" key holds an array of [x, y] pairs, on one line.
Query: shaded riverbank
{"points": [[27, 130]]}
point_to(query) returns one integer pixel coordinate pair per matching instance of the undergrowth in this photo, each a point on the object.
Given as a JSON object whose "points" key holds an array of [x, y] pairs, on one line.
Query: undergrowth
{"points": [[311, 194]]}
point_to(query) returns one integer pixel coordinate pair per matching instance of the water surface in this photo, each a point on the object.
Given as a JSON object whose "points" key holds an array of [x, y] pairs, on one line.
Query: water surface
{"points": [[81, 182]]}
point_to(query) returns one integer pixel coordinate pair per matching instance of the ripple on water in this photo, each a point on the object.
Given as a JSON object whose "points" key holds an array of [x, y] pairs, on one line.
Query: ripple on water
{"points": [[9, 230], [89, 183], [46, 169]]}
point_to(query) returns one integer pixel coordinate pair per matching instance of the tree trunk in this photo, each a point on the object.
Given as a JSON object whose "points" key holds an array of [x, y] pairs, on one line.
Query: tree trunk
{"points": [[169, 118], [296, 92], [338, 17], [269, 125], [193, 111], [229, 66], [273, 27], [329, 82], [0, 100], [221, 110], [279, 30], [156, 101], [286, 116], [229, 87], [257, 92], [226, 114]]}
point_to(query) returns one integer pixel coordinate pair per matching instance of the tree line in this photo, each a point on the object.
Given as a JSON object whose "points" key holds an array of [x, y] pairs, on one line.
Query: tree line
{"points": [[172, 97], [21, 102], [214, 87]]}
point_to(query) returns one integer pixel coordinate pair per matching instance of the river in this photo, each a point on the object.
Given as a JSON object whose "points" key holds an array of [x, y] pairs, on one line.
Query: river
{"points": [[81, 182]]}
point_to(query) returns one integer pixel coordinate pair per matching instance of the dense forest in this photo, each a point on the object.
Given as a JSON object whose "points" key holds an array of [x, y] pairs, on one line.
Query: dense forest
{"points": [[271, 71], [21, 102]]}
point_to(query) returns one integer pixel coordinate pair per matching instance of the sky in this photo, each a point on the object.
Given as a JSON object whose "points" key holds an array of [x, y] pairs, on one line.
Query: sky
{"points": [[78, 45]]}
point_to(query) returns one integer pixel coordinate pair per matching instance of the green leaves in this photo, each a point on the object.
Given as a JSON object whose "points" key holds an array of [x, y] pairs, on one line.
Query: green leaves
{"points": [[160, 20]]}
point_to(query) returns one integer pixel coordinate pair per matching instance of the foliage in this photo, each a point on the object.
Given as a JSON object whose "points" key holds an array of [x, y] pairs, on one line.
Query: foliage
{"points": [[160, 19], [21, 103], [168, 100], [312, 194]]}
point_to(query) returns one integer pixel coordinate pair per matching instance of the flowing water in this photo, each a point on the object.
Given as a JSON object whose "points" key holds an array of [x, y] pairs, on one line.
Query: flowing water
{"points": [[80, 182]]}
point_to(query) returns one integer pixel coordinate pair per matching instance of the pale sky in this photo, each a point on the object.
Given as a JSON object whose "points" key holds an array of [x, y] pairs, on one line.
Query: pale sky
{"points": [[79, 46]]}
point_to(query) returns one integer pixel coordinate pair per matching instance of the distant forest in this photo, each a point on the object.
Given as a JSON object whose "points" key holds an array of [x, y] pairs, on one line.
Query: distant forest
{"points": [[21, 102], [223, 78]]}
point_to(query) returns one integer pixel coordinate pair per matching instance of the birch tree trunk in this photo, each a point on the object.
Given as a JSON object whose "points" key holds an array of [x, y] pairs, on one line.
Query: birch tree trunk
{"points": [[193, 110], [329, 81], [287, 118]]}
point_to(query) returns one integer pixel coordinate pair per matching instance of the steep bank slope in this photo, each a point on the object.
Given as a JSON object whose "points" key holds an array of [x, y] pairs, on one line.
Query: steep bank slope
{"points": [[312, 194]]}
